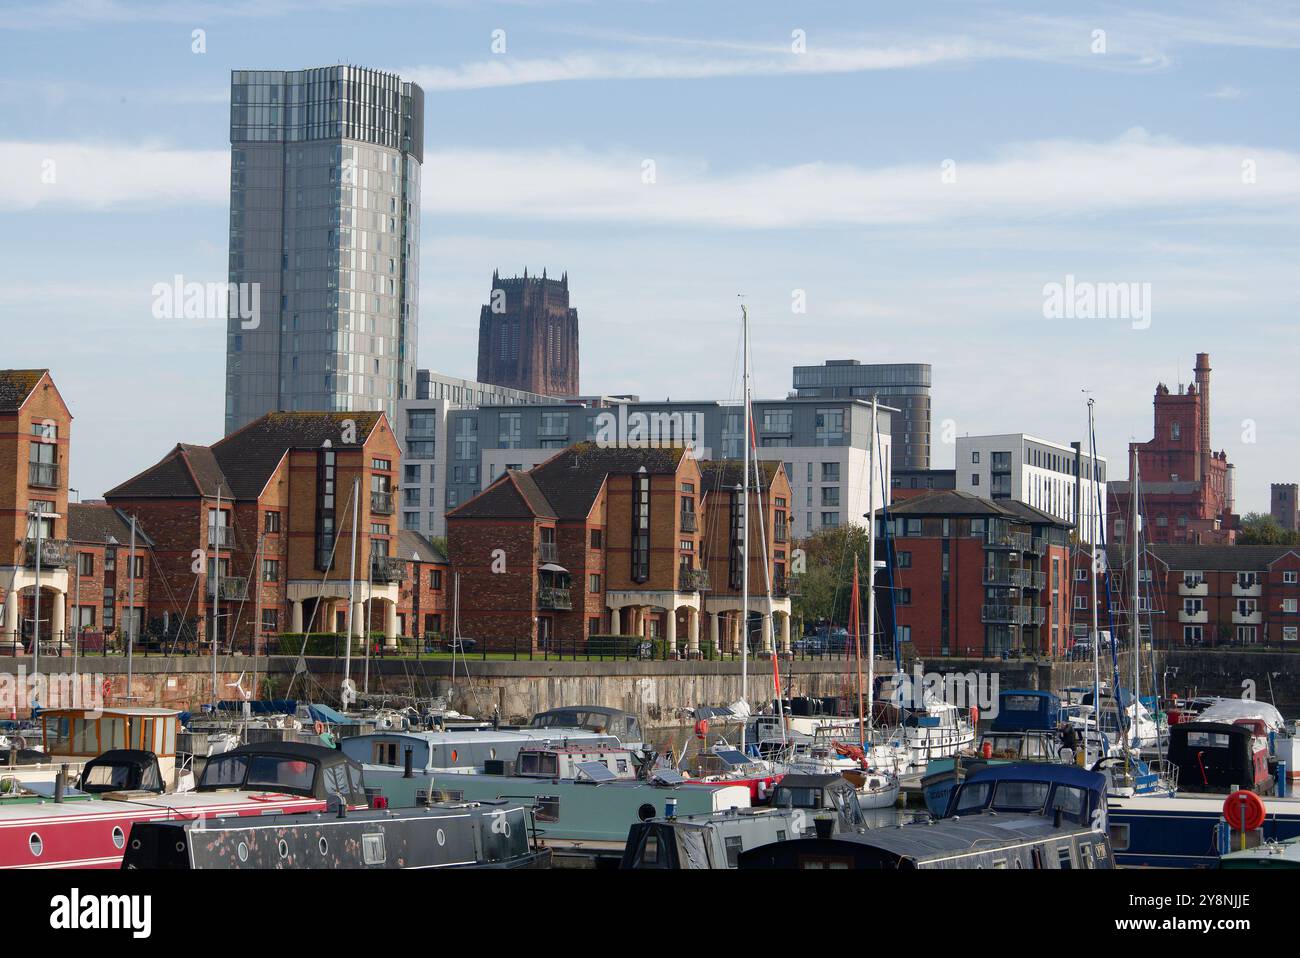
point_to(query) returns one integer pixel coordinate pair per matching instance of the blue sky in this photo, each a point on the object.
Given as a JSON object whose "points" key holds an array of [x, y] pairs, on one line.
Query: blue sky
{"points": [[1114, 157]]}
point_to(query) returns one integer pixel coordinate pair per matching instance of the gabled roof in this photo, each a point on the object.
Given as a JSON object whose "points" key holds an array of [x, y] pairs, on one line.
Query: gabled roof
{"points": [[16, 385], [505, 499], [567, 485], [1211, 558], [96, 521], [1032, 514], [947, 502], [413, 545], [242, 463]]}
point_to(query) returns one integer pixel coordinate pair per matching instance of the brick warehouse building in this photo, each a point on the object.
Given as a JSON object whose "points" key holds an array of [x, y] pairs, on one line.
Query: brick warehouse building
{"points": [[1200, 595], [1186, 487], [528, 336], [110, 589], [272, 504], [35, 427], [975, 576], [594, 541]]}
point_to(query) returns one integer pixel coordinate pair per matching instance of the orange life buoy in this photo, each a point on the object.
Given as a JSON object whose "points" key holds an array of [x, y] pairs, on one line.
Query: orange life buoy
{"points": [[987, 749], [107, 688], [1243, 804], [320, 728], [702, 729]]}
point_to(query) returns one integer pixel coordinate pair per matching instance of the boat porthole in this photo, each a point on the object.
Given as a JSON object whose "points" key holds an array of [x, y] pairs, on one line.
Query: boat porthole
{"points": [[242, 851], [324, 846], [645, 812], [35, 844], [180, 848], [442, 837], [283, 848], [119, 836], [135, 843]]}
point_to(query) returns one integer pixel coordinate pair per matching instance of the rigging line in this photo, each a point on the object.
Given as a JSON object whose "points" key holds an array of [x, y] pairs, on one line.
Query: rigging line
{"points": [[890, 557], [1099, 529]]}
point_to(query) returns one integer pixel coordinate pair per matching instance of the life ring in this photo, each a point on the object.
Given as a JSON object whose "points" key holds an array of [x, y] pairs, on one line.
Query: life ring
{"points": [[702, 729], [1243, 804], [319, 728], [107, 688]]}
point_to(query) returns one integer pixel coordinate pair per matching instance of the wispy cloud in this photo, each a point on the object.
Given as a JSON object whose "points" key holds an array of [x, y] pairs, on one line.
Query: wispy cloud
{"points": [[1022, 183], [1226, 93]]}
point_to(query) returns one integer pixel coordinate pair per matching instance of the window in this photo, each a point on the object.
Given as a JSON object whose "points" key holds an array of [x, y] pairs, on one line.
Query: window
{"points": [[975, 458], [640, 528], [411, 521], [829, 427], [593, 583], [778, 420], [1193, 606], [1290, 577], [830, 472], [270, 570], [85, 616], [1289, 605], [830, 495], [435, 579], [830, 519], [509, 430], [1080, 575], [137, 568], [974, 478], [1081, 602], [1247, 580], [903, 633], [596, 538], [1192, 578], [411, 474], [1193, 634], [1175, 430], [270, 620], [904, 596], [85, 563], [904, 560], [1288, 632]]}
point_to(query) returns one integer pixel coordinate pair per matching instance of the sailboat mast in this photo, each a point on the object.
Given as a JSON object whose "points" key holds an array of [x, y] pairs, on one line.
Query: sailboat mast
{"points": [[216, 591], [871, 570], [1096, 637], [352, 600], [1137, 573], [744, 516], [855, 626]]}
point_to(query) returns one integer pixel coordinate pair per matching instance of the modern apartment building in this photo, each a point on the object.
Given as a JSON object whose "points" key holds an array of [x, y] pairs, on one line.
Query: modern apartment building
{"points": [[974, 576], [824, 445], [324, 239], [904, 386], [1051, 476]]}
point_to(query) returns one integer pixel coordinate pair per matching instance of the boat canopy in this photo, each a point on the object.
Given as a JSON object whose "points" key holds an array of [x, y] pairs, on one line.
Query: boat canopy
{"points": [[1027, 710], [1231, 710]]}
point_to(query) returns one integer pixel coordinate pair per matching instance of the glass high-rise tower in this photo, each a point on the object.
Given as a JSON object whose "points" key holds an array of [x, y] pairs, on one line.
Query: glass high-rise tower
{"points": [[325, 218]]}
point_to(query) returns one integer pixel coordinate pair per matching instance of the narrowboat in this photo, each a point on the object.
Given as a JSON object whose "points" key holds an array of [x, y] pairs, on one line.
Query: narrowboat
{"points": [[466, 835], [463, 751], [582, 807], [1032, 815], [723, 764]]}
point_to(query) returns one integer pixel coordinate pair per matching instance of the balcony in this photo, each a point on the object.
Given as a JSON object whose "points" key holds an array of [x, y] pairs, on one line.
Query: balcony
{"points": [[1190, 586], [551, 597], [1247, 587], [1199, 617], [548, 552], [1007, 576], [688, 522], [43, 474], [221, 537], [1247, 616], [55, 554], [233, 587], [693, 580], [381, 503], [1013, 541], [1012, 614], [387, 569], [1036, 545], [786, 586]]}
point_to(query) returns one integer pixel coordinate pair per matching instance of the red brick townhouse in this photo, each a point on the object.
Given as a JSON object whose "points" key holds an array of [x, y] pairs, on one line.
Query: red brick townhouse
{"points": [[721, 519], [978, 576], [271, 506], [593, 541], [35, 427], [109, 590], [1201, 595]]}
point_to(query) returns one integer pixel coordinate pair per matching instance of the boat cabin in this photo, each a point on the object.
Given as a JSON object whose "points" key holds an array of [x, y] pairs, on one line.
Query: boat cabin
{"points": [[724, 760], [1023, 710], [576, 762], [707, 841], [1034, 788], [122, 770], [462, 750], [1022, 746], [594, 718], [1218, 757], [81, 734], [290, 768], [819, 795]]}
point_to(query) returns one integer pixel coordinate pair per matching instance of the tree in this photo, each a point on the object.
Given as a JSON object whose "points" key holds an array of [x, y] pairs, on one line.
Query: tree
{"points": [[826, 581], [1259, 529]]}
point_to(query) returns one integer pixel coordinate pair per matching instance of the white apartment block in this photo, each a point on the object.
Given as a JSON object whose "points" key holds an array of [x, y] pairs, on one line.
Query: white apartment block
{"points": [[1037, 472]]}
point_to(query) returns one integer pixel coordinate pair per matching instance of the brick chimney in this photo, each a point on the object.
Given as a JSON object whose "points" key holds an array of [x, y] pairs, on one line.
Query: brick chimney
{"points": [[1203, 389]]}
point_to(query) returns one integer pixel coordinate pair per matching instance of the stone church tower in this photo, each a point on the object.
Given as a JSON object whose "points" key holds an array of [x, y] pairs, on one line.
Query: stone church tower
{"points": [[528, 335]]}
